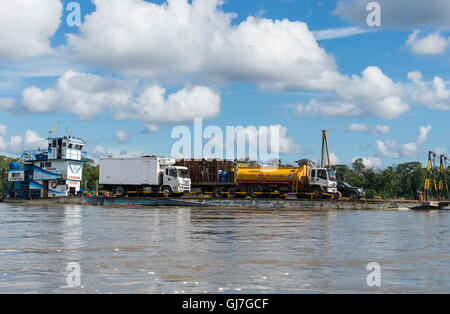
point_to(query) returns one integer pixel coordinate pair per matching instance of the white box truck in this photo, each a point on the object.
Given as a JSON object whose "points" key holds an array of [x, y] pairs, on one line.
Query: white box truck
{"points": [[144, 175]]}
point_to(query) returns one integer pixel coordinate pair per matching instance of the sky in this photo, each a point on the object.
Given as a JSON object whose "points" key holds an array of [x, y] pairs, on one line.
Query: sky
{"points": [[132, 70]]}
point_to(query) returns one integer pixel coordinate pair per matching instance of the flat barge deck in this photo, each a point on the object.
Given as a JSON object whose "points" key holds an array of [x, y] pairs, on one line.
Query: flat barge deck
{"points": [[290, 204]]}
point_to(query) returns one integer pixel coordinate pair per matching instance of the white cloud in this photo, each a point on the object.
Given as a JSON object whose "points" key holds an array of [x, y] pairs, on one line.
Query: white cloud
{"points": [[180, 38], [372, 93], [434, 94], [27, 26], [87, 95], [333, 33], [17, 143], [432, 44], [335, 160], [440, 150], [392, 149], [7, 103], [3, 130], [152, 107], [286, 144], [122, 136], [3, 144], [370, 162], [360, 127], [258, 143], [403, 14], [152, 128]]}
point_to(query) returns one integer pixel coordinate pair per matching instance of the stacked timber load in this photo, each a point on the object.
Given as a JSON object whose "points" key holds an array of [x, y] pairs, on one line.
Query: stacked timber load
{"points": [[208, 171]]}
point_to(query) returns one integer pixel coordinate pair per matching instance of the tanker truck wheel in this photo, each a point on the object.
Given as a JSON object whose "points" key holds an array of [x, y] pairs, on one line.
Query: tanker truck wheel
{"points": [[254, 191], [232, 192]]}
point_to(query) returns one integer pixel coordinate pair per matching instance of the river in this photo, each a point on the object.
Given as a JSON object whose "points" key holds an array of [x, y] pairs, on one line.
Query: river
{"points": [[201, 250]]}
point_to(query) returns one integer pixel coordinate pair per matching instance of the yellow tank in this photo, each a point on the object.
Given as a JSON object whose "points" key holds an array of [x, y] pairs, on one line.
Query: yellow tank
{"points": [[273, 175]]}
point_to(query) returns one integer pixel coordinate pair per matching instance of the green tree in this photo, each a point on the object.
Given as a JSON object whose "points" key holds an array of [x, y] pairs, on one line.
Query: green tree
{"points": [[90, 174], [4, 167]]}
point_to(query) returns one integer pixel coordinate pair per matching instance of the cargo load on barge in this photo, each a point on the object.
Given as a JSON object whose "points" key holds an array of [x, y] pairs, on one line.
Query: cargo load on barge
{"points": [[233, 179]]}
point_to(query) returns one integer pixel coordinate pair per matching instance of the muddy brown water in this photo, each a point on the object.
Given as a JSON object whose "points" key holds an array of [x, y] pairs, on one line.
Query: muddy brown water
{"points": [[213, 250]]}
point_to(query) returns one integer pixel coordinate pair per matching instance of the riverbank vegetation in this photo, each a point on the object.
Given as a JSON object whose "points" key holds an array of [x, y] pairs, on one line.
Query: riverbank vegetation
{"points": [[401, 181]]}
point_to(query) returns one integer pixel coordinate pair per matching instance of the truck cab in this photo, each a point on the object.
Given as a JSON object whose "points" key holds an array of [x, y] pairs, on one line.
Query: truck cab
{"points": [[323, 180], [177, 178]]}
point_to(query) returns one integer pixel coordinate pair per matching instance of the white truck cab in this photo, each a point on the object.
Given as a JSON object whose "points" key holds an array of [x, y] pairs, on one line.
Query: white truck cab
{"points": [[177, 178], [323, 178]]}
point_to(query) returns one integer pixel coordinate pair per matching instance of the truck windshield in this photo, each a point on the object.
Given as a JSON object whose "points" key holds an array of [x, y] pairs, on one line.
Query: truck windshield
{"points": [[183, 173], [332, 174]]}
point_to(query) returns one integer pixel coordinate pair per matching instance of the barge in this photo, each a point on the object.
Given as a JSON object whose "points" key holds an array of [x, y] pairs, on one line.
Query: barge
{"points": [[274, 204]]}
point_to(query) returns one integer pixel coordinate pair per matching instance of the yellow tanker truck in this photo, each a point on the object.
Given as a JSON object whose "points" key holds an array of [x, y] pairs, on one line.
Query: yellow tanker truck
{"points": [[301, 181], [224, 179]]}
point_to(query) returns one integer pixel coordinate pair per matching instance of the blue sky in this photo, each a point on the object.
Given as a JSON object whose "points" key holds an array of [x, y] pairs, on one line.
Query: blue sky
{"points": [[243, 101]]}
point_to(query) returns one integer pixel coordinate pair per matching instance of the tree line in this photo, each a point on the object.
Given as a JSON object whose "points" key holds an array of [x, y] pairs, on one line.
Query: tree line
{"points": [[402, 181]]}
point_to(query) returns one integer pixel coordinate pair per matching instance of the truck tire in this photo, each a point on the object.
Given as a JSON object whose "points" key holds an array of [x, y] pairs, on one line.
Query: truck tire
{"points": [[254, 190], [167, 191], [353, 196], [231, 192], [219, 192], [119, 190], [317, 193]]}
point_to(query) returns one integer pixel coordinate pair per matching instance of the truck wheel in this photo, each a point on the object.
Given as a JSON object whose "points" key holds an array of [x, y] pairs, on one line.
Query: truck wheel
{"points": [[254, 191], [353, 196], [317, 193], [119, 190], [219, 192], [231, 192], [167, 191]]}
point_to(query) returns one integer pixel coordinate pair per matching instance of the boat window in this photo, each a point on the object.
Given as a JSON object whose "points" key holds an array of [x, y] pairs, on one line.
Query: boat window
{"points": [[48, 164], [313, 173], [64, 144], [70, 146], [42, 164]]}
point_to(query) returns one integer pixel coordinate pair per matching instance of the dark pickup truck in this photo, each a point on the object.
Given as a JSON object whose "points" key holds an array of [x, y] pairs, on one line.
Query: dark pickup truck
{"points": [[353, 193]]}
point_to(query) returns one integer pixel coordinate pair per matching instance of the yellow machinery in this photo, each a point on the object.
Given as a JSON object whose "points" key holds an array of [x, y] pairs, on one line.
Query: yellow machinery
{"points": [[440, 186]]}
